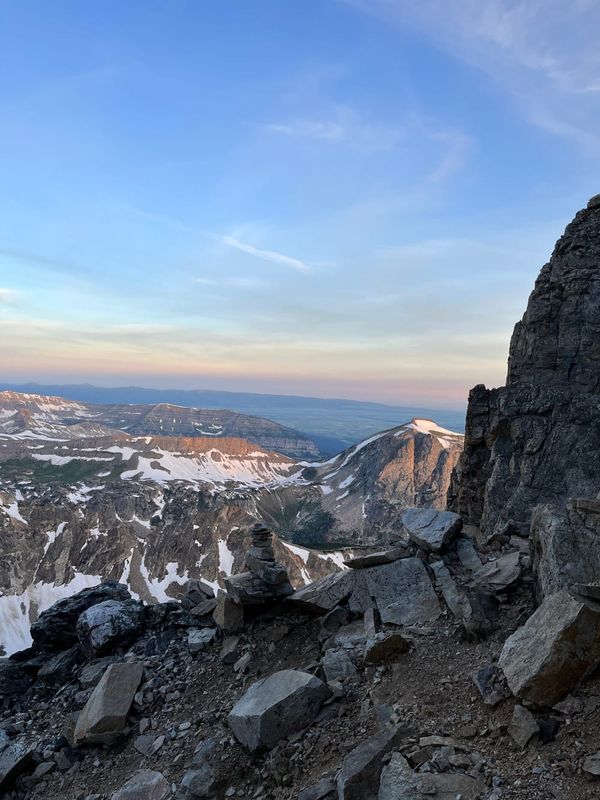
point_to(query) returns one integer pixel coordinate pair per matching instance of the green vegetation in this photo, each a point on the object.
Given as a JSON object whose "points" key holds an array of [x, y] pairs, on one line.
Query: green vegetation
{"points": [[43, 472]]}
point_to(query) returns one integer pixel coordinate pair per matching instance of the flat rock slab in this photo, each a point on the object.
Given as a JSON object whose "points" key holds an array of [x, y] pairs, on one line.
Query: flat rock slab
{"points": [[275, 707], [403, 592], [467, 554], [376, 559], [325, 594], [144, 785], [361, 768], [499, 574], [103, 717], [558, 646], [431, 530], [399, 782]]}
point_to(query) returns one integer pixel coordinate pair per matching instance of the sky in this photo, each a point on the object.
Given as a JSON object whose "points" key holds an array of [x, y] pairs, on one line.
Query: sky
{"points": [[339, 198]]}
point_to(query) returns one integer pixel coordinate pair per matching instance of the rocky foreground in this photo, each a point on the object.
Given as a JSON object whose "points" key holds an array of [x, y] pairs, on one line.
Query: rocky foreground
{"points": [[376, 682]]}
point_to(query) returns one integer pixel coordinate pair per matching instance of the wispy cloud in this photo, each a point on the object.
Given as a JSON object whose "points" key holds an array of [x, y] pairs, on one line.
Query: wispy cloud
{"points": [[543, 52], [233, 282], [340, 124], [140, 328], [267, 255]]}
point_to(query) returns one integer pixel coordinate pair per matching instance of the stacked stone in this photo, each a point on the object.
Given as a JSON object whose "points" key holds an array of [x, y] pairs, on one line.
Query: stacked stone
{"points": [[266, 578]]}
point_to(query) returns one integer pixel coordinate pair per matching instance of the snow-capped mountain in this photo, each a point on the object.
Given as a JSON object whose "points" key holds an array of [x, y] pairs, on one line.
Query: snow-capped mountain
{"points": [[32, 415], [154, 511]]}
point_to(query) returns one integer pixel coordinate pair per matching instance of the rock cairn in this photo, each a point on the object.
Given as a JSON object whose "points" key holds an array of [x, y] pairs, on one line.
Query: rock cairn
{"points": [[266, 579]]}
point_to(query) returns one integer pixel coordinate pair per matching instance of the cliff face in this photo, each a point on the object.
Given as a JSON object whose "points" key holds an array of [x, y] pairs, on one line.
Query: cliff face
{"points": [[531, 463]]}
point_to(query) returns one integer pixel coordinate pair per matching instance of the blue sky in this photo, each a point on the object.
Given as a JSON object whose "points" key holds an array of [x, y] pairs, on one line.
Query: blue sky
{"points": [[334, 197]]}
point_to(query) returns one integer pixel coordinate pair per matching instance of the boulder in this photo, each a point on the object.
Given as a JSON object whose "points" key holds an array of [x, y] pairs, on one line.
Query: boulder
{"points": [[54, 629], [337, 665], [399, 782], [384, 647], [146, 784], [275, 707], [229, 616], [323, 790], [467, 554], [60, 666], [325, 594], [499, 574], [446, 584], [106, 625], [230, 650], [201, 638], [431, 530], [15, 759], [591, 765], [103, 718], [558, 646], [206, 775], [402, 592], [248, 589], [359, 776], [523, 726]]}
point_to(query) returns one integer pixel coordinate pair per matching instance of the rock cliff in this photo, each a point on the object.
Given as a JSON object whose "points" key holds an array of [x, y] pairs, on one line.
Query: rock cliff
{"points": [[531, 463]]}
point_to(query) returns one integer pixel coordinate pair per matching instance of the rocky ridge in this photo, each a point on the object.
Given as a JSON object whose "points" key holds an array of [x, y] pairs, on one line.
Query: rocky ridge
{"points": [[531, 464]]}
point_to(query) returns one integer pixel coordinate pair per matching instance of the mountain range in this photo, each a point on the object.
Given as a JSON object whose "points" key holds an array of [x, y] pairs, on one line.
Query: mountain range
{"points": [[333, 424], [82, 499]]}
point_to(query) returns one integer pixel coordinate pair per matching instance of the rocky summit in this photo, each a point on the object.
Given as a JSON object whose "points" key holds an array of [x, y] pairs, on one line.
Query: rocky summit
{"points": [[450, 653]]}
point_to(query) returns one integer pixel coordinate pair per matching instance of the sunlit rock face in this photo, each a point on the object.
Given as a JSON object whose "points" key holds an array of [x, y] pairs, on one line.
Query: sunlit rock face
{"points": [[532, 447]]}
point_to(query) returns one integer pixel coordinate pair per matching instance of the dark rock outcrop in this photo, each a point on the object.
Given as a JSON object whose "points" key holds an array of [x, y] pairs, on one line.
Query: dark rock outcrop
{"points": [[536, 441]]}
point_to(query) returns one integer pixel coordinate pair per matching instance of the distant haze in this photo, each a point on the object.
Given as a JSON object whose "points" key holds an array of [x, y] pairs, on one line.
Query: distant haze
{"points": [[333, 424]]}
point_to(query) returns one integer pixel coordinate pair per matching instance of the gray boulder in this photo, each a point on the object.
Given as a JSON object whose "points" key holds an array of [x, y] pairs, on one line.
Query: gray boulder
{"points": [[275, 707], [206, 775], [399, 782], [323, 790], [201, 638], [325, 594], [378, 558], [338, 666], [402, 591], [499, 574], [359, 776], [144, 785], [558, 647], [106, 625], [103, 718], [523, 726], [384, 647], [431, 530], [54, 630], [229, 616], [15, 759]]}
